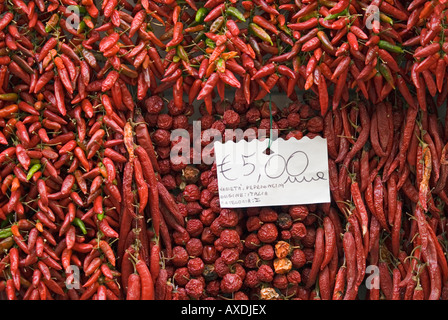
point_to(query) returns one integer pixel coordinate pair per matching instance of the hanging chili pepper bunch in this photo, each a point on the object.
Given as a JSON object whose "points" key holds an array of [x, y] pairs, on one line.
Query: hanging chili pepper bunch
{"points": [[370, 48], [389, 183]]}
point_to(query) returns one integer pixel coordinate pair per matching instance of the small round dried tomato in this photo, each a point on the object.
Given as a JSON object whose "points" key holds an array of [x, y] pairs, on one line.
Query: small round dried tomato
{"points": [[181, 276], [268, 232], [230, 238], [298, 231], [266, 252], [265, 273], [207, 136], [194, 227], [251, 280], [218, 244], [284, 221], [285, 235], [213, 186], [205, 178], [231, 283], [174, 110], [265, 124], [293, 120], [280, 281], [216, 227], [169, 182], [178, 164], [180, 238], [290, 290], [240, 246], [194, 288], [164, 166], [292, 107], [195, 266], [205, 198], [252, 242], [180, 256], [298, 212], [268, 215], [310, 238], [206, 121], [253, 223], [180, 122], [253, 115], [154, 104], [193, 208], [207, 216], [283, 124], [182, 294], [209, 254], [182, 209], [310, 220], [213, 288], [207, 236], [315, 124], [163, 152], [231, 118], [230, 255], [161, 138], [219, 125], [240, 107], [251, 260], [194, 247], [239, 270], [228, 218], [306, 111], [221, 267], [164, 121], [151, 119], [305, 274], [298, 258], [303, 293], [294, 276], [309, 254], [191, 193], [240, 296]]}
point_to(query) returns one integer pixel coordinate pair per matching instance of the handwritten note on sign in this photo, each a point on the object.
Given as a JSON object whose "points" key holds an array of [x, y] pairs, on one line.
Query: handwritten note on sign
{"points": [[294, 172]]}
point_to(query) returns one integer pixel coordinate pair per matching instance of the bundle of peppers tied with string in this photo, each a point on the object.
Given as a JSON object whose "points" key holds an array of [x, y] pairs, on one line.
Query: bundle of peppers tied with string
{"points": [[91, 91]]}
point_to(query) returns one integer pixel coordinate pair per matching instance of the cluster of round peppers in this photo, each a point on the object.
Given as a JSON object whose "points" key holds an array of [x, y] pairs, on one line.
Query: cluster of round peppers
{"points": [[84, 145]]}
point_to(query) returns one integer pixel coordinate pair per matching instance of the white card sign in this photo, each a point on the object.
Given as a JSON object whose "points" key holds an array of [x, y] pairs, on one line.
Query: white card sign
{"points": [[293, 172]]}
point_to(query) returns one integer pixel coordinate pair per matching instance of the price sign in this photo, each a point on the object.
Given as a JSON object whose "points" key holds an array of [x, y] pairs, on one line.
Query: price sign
{"points": [[292, 172]]}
